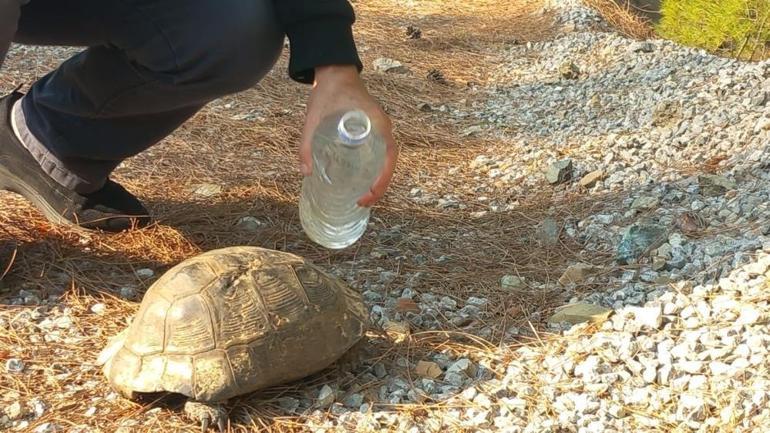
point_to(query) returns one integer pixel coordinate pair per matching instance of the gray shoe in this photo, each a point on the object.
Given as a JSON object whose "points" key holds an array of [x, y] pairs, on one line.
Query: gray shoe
{"points": [[111, 208]]}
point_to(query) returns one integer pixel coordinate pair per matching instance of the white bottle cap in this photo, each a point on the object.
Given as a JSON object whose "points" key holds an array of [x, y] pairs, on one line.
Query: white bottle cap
{"points": [[354, 127]]}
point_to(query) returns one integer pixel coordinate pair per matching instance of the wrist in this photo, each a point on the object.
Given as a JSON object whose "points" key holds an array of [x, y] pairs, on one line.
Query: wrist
{"points": [[336, 73]]}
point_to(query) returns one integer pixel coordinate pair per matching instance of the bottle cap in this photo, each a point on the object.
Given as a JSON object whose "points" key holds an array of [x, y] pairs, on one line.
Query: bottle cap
{"points": [[354, 127]]}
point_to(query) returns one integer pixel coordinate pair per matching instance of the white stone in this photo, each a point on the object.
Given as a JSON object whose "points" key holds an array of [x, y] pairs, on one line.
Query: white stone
{"points": [[384, 64], [650, 374], [511, 282], [145, 273], [98, 308], [14, 411], [250, 224], [48, 427], [691, 367], [14, 365], [326, 396], [749, 315], [647, 317]]}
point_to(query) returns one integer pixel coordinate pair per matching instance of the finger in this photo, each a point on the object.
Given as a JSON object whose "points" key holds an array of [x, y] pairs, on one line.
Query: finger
{"points": [[306, 143], [205, 422], [380, 186], [305, 152]]}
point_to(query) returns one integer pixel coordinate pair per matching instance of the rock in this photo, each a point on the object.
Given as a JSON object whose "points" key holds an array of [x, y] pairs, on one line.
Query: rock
{"points": [[580, 313], [588, 368], [15, 411], [416, 395], [128, 292], [38, 407], [14, 365], [387, 277], [145, 273], [407, 305], [455, 379], [398, 331], [645, 202], [428, 369], [691, 408], [650, 374], [569, 70], [469, 393], [548, 232], [512, 282], [326, 396], [379, 370], [577, 273], [464, 366], [98, 308], [249, 224], [353, 401], [763, 124], [425, 108], [288, 404], [658, 264], [590, 179], [448, 303], [477, 302], [642, 47], [749, 315], [207, 190], [690, 367], [718, 368], [48, 427], [648, 276], [559, 172], [471, 131], [386, 65], [713, 185], [649, 318], [639, 239], [63, 322]]}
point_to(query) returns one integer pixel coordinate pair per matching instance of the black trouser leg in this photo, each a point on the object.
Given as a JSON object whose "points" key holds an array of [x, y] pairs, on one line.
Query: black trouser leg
{"points": [[149, 66]]}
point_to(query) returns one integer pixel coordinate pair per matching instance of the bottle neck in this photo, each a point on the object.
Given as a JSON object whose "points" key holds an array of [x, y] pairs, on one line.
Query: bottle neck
{"points": [[354, 128]]}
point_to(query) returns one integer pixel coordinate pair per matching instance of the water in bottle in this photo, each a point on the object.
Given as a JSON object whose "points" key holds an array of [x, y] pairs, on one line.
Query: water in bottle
{"points": [[348, 155]]}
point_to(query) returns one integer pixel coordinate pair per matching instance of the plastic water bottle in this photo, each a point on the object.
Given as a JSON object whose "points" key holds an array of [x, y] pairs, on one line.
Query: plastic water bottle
{"points": [[348, 155]]}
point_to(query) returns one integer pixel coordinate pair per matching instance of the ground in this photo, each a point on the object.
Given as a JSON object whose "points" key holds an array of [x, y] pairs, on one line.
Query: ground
{"points": [[465, 252]]}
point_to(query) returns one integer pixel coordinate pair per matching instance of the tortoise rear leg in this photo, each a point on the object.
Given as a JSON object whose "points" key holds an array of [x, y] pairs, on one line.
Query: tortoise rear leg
{"points": [[206, 414]]}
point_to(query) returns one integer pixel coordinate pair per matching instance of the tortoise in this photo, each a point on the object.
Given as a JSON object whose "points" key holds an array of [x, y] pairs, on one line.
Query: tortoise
{"points": [[232, 321]]}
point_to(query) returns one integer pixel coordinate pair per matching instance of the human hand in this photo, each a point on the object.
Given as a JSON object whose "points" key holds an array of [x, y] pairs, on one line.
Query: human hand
{"points": [[337, 88]]}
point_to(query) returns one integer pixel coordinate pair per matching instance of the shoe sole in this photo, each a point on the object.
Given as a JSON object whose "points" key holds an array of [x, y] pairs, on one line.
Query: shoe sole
{"points": [[14, 184]]}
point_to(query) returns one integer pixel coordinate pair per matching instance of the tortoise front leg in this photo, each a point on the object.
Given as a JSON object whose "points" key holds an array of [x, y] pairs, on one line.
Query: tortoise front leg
{"points": [[206, 414]]}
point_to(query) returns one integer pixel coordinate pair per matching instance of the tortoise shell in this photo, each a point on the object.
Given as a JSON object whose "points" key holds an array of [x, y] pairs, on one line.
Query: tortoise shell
{"points": [[232, 321]]}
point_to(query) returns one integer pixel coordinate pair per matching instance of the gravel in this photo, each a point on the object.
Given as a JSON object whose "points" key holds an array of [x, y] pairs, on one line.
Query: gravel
{"points": [[683, 291], [679, 308]]}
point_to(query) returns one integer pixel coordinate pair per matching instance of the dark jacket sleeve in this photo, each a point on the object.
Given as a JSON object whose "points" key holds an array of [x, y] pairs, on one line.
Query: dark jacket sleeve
{"points": [[9, 19], [320, 33]]}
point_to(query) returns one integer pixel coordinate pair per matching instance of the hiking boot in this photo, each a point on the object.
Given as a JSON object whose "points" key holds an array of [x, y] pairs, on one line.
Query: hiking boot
{"points": [[111, 208]]}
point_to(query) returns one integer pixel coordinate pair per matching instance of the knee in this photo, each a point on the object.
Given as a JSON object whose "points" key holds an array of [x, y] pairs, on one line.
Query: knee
{"points": [[243, 47]]}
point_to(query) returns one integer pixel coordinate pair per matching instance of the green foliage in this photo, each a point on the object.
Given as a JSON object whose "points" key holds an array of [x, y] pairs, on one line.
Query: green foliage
{"points": [[738, 28]]}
